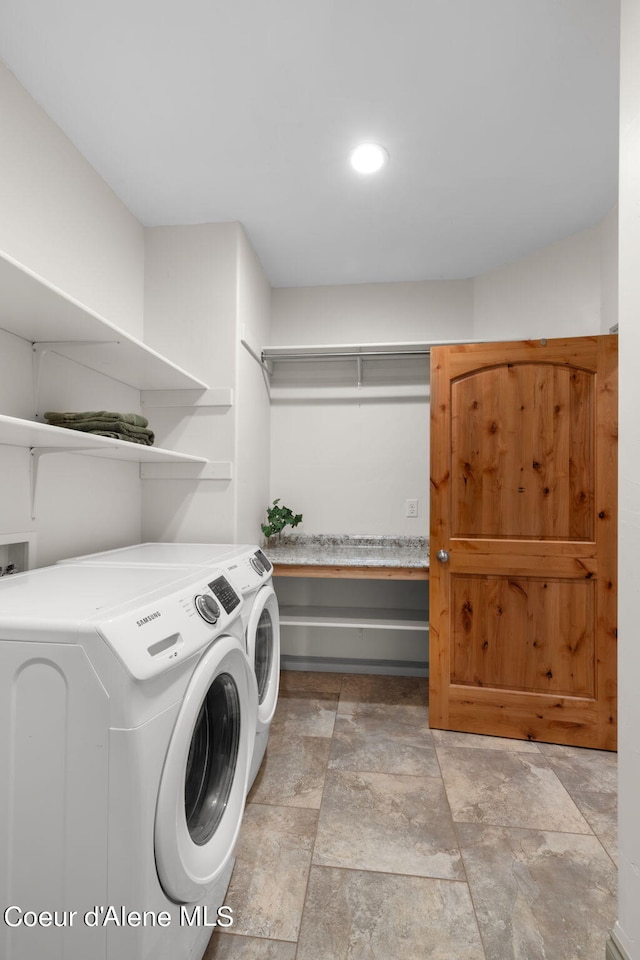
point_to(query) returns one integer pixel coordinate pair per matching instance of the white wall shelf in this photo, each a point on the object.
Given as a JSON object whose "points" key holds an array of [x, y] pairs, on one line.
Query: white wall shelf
{"points": [[341, 351], [53, 322], [42, 439], [328, 618], [213, 470], [359, 352], [36, 310], [356, 617], [273, 358], [220, 397], [42, 436], [345, 351]]}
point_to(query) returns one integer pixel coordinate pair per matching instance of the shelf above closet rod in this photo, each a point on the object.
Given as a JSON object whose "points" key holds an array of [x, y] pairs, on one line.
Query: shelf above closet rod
{"points": [[350, 351], [360, 352]]}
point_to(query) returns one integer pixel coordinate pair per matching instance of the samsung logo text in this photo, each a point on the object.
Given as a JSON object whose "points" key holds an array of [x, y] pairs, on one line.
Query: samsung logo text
{"points": [[148, 618]]}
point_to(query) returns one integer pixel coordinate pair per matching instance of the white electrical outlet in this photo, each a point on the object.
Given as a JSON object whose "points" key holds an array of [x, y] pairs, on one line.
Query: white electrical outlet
{"points": [[411, 508]]}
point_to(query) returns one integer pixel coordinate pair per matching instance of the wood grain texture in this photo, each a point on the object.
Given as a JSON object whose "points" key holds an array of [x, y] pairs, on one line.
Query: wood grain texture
{"points": [[350, 573], [524, 634], [534, 565], [580, 352], [606, 520], [526, 548], [523, 497], [522, 452]]}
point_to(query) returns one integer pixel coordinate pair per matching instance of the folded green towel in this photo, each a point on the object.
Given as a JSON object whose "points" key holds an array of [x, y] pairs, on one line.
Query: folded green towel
{"points": [[122, 436], [109, 427], [135, 419]]}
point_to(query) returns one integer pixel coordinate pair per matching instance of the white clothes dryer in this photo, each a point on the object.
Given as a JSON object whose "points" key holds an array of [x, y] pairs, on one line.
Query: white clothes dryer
{"points": [[127, 724], [251, 573]]}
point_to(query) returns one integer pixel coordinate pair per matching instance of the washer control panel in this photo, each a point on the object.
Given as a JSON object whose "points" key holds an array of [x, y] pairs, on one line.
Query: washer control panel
{"points": [[224, 592], [207, 608], [172, 622]]}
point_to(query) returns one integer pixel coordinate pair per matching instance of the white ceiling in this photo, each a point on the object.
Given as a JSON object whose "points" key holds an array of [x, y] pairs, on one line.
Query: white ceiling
{"points": [[500, 118]]}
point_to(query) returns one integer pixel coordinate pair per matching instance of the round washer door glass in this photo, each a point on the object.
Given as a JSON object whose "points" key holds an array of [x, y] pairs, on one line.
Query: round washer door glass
{"points": [[202, 790], [264, 652], [212, 759]]}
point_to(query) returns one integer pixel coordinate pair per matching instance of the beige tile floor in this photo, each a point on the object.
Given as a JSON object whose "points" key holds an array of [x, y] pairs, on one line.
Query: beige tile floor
{"points": [[369, 837]]}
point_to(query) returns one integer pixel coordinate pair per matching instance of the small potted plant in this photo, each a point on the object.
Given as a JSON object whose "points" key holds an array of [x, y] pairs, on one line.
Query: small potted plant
{"points": [[279, 517]]}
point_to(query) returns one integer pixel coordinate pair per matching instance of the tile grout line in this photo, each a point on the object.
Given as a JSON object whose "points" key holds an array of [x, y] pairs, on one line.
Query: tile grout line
{"points": [[462, 860], [313, 845]]}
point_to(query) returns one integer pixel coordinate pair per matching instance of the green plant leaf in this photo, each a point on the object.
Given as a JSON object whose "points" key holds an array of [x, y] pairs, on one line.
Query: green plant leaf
{"points": [[278, 517]]}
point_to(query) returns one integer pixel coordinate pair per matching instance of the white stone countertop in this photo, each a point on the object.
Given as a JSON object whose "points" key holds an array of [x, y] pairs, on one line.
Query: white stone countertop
{"points": [[346, 550]]}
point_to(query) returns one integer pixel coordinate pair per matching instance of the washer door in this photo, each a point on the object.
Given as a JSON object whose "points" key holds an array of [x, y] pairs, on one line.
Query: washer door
{"points": [[263, 647], [202, 789]]}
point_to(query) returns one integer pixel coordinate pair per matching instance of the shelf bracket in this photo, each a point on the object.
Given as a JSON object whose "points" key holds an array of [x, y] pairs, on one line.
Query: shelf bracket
{"points": [[258, 356], [34, 463], [359, 365], [41, 347]]}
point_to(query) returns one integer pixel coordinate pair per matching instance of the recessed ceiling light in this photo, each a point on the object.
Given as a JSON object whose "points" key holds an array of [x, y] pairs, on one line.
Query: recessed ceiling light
{"points": [[369, 158]]}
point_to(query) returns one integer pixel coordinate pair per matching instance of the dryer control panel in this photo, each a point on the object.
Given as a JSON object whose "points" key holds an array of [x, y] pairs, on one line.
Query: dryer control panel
{"points": [[264, 560], [249, 572]]}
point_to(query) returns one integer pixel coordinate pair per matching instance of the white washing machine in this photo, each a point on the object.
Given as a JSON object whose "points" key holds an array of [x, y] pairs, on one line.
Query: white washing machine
{"points": [[251, 573], [127, 723]]}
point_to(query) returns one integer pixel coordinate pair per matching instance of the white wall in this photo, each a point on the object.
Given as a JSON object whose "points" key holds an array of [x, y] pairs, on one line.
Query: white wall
{"points": [[609, 270], [62, 221], [190, 297], [344, 457], [190, 310], [556, 292], [627, 929], [372, 312], [253, 413], [349, 465], [203, 286]]}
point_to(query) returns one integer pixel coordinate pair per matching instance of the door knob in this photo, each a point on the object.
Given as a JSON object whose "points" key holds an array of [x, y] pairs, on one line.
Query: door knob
{"points": [[443, 556]]}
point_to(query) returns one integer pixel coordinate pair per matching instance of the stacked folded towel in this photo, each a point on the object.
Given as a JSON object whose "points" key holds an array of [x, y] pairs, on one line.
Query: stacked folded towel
{"points": [[122, 426]]}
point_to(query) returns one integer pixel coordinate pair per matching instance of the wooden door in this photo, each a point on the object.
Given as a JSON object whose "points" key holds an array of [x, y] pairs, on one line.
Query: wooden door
{"points": [[523, 501]]}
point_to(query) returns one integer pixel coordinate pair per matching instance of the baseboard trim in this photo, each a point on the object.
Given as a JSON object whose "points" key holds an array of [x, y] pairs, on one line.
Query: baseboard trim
{"points": [[613, 950]]}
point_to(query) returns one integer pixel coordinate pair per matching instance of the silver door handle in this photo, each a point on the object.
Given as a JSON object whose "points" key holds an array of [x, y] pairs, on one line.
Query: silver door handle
{"points": [[443, 556]]}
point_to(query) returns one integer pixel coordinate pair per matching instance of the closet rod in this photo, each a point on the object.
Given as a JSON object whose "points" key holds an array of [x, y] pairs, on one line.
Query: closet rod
{"points": [[343, 355]]}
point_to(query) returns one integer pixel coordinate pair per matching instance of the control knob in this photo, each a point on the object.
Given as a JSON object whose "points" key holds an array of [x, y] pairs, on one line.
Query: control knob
{"points": [[207, 608], [257, 566]]}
